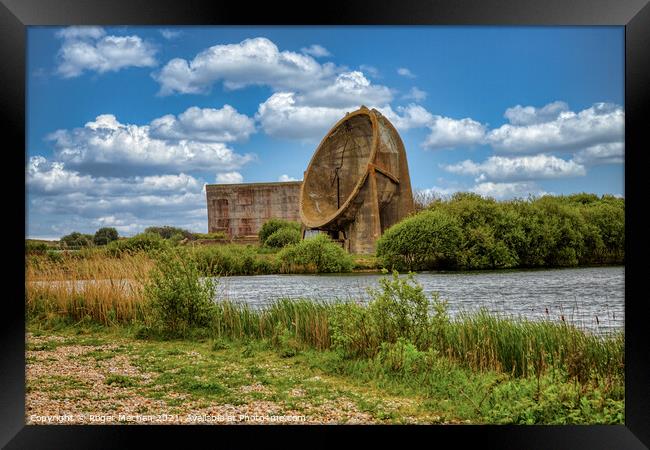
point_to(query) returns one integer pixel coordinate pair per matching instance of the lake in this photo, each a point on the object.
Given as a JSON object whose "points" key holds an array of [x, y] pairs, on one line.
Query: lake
{"points": [[591, 298]]}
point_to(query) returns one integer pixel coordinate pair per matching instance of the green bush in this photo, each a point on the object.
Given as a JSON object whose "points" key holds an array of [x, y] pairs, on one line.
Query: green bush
{"points": [[179, 298], [283, 237], [315, 254], [218, 260], [273, 225], [471, 232], [144, 242], [35, 248], [105, 235], [398, 310], [76, 240], [430, 239], [168, 232]]}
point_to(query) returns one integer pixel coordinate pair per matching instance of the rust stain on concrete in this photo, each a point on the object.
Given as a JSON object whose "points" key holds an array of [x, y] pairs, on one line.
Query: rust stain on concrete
{"points": [[240, 209]]}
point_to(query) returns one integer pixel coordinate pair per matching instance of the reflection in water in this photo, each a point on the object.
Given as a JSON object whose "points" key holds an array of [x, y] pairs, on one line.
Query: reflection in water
{"points": [[591, 298]]}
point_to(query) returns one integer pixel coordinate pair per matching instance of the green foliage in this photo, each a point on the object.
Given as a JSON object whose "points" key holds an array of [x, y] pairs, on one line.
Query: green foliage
{"points": [[222, 260], [169, 232], [219, 235], [316, 254], [273, 225], [398, 310], [105, 235], [179, 298], [76, 240], [403, 357], [471, 232], [35, 247], [120, 380], [285, 341], [143, 242], [429, 239], [283, 237]]}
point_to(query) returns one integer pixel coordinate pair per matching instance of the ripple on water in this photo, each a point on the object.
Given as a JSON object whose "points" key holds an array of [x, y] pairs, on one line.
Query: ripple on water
{"points": [[579, 295]]}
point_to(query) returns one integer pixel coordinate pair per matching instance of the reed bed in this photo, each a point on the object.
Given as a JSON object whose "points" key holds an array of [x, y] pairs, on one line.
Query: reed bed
{"points": [[107, 290], [307, 320], [484, 341]]}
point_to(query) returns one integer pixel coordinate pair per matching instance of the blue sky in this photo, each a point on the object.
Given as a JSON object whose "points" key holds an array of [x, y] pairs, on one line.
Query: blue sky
{"points": [[125, 125]]}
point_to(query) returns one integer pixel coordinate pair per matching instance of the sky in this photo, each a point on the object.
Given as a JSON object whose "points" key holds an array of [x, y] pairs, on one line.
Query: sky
{"points": [[126, 125]]}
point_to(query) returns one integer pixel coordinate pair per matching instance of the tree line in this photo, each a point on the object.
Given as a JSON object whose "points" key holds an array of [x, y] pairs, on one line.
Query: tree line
{"points": [[468, 231]]}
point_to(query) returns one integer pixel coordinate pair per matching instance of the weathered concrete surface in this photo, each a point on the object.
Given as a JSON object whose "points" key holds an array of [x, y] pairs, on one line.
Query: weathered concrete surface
{"points": [[357, 183], [241, 209]]}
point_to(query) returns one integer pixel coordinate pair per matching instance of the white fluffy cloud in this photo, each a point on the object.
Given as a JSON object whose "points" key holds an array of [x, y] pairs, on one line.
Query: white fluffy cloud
{"points": [[229, 178], [281, 116], [529, 115], [499, 168], [170, 34], [89, 48], [407, 117], [555, 128], [285, 177], [347, 90], [611, 153], [370, 70], [106, 146], [502, 191], [415, 94], [45, 177], [449, 133], [499, 191], [403, 71], [204, 124], [49, 177], [255, 61], [316, 50], [65, 200]]}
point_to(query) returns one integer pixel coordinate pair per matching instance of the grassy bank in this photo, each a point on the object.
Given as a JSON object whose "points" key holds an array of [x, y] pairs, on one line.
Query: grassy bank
{"points": [[85, 369], [473, 367]]}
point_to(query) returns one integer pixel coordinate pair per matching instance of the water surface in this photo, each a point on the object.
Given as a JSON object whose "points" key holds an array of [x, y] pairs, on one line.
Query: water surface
{"points": [[591, 298]]}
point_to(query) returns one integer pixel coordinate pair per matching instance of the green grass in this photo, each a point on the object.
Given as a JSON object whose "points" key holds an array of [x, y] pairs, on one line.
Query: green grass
{"points": [[477, 366], [120, 380], [443, 392]]}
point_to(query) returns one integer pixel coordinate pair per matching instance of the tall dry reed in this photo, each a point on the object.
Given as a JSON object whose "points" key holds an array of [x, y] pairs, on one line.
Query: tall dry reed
{"points": [[108, 290]]}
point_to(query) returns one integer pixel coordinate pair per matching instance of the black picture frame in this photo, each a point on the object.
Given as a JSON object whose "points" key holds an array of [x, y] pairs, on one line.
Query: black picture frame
{"points": [[17, 15]]}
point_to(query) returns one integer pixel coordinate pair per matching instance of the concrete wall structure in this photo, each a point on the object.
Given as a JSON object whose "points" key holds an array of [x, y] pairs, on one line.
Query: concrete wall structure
{"points": [[241, 209]]}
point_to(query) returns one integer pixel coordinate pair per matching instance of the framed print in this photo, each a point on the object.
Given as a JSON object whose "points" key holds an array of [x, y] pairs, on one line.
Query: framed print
{"points": [[404, 220]]}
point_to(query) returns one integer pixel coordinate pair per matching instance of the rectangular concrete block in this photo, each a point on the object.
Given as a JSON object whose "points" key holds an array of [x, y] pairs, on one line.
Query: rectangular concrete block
{"points": [[241, 209]]}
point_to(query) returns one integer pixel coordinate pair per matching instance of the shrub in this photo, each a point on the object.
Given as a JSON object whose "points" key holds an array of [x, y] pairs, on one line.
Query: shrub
{"points": [[168, 232], [179, 298], [144, 242], [35, 248], [316, 254], [427, 240], [398, 310], [232, 260], [273, 225], [472, 232], [76, 239], [283, 237], [105, 235], [402, 357]]}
